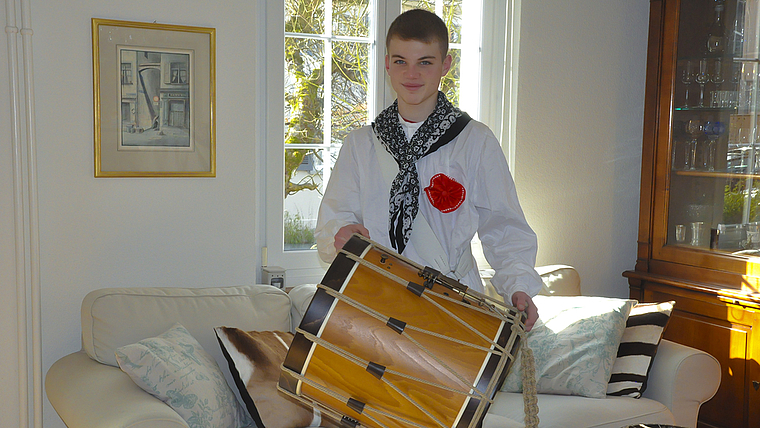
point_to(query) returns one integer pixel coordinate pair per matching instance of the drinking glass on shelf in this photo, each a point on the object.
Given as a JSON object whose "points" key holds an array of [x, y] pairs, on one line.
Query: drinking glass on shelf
{"points": [[702, 78], [680, 233], [697, 230], [687, 78], [717, 79], [693, 128], [736, 73], [713, 131], [681, 151]]}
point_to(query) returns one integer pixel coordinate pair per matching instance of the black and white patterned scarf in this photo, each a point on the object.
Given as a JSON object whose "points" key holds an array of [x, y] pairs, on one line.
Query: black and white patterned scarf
{"points": [[442, 126]]}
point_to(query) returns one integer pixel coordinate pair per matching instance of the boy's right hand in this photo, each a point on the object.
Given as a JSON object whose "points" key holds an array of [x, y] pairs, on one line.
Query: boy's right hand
{"points": [[345, 232]]}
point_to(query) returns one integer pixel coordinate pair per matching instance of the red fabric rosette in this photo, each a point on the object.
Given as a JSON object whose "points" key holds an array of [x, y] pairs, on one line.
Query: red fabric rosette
{"points": [[445, 193]]}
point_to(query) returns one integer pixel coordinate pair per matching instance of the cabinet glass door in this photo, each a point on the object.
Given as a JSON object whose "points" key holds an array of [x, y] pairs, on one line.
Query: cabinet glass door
{"points": [[714, 194]]}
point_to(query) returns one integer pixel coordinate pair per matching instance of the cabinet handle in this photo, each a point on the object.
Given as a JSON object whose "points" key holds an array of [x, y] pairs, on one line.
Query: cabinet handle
{"points": [[756, 384]]}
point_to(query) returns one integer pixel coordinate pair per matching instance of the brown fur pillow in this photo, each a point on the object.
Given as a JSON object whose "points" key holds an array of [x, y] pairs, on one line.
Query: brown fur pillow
{"points": [[254, 359]]}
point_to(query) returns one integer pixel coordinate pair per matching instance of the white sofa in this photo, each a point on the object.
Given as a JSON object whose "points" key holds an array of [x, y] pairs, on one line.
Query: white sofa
{"points": [[87, 388]]}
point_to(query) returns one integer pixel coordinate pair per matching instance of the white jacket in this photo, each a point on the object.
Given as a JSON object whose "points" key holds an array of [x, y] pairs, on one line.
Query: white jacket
{"points": [[357, 193]]}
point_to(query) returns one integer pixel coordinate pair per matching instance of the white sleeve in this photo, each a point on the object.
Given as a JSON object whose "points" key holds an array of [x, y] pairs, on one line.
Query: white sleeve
{"points": [[341, 204], [509, 243]]}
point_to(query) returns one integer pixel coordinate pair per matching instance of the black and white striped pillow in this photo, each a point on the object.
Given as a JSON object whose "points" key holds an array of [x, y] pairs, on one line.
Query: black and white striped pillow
{"points": [[638, 347]]}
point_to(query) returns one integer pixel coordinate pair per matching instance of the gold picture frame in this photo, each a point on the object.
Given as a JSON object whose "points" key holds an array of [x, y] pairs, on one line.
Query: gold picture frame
{"points": [[154, 89]]}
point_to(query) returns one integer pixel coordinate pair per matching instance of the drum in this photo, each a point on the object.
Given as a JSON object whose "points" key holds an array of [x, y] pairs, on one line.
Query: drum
{"points": [[386, 342]]}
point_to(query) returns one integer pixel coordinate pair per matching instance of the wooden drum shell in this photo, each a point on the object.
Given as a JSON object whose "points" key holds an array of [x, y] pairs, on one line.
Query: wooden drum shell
{"points": [[429, 380]]}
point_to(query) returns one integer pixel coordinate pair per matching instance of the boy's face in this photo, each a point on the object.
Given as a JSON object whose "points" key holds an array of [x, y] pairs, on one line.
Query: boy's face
{"points": [[416, 69]]}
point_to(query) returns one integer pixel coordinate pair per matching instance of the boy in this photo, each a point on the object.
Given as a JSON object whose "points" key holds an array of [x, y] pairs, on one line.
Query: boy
{"points": [[436, 148]]}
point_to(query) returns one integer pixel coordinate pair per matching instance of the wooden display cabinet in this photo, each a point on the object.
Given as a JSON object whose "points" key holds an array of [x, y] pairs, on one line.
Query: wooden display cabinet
{"points": [[699, 222]]}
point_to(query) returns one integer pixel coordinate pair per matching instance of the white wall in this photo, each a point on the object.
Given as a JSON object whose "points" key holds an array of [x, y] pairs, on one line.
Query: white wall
{"points": [[577, 161], [138, 232], [579, 130]]}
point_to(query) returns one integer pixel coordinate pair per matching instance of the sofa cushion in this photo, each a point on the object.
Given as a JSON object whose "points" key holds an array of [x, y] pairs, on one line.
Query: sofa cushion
{"points": [[637, 349], [114, 317], [254, 359], [559, 280], [174, 368], [575, 342], [560, 411]]}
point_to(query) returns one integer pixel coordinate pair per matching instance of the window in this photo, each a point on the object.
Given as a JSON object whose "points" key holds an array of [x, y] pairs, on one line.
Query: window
{"points": [[331, 58], [126, 73], [178, 72]]}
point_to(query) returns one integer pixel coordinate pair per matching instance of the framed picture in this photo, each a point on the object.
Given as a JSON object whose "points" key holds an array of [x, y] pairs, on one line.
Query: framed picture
{"points": [[154, 99]]}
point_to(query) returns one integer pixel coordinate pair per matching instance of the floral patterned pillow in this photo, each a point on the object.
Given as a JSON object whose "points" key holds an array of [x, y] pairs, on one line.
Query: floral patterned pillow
{"points": [[574, 344], [174, 368]]}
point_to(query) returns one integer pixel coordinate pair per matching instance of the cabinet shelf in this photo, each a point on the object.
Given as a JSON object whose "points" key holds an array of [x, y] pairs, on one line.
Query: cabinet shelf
{"points": [[714, 56], [715, 174], [711, 109]]}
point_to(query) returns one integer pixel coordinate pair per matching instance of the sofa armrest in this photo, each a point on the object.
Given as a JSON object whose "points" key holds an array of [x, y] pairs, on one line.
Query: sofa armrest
{"points": [[86, 393], [682, 378], [300, 298]]}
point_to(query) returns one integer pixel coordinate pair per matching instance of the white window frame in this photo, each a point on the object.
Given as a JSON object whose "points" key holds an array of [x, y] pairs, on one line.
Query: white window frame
{"points": [[496, 109]]}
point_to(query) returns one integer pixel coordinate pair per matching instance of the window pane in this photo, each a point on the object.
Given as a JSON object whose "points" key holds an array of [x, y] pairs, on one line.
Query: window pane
{"points": [[452, 16], [304, 88], [418, 4], [320, 110], [303, 169], [450, 82], [349, 88], [351, 18], [304, 16]]}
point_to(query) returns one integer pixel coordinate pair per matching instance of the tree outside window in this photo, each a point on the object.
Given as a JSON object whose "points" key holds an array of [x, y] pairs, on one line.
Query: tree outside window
{"points": [[328, 91]]}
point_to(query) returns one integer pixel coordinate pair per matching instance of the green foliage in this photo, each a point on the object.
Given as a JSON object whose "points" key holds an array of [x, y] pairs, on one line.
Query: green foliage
{"points": [[733, 203], [297, 232]]}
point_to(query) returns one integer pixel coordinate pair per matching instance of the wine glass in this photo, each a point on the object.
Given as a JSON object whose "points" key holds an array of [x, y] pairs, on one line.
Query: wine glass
{"points": [[693, 128], [687, 78], [736, 73], [702, 78], [717, 78], [713, 130]]}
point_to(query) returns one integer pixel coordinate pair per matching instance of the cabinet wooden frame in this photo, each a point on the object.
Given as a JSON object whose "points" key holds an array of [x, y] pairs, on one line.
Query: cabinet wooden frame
{"points": [[717, 294]]}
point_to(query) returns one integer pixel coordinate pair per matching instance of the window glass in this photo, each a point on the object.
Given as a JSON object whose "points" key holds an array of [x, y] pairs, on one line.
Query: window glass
{"points": [[329, 90], [351, 18]]}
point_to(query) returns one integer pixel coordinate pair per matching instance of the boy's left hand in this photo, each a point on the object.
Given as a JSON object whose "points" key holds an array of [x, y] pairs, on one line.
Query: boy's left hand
{"points": [[523, 302]]}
